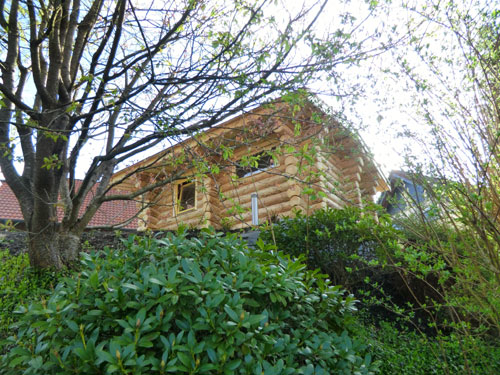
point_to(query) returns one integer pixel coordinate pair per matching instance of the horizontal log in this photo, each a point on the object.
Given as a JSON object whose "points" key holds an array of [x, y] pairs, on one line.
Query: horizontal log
{"points": [[254, 179], [332, 172], [195, 220], [334, 165], [291, 169], [294, 189], [263, 200], [249, 187], [290, 160], [276, 208], [317, 206], [371, 191], [333, 192], [333, 204], [297, 202], [216, 217], [265, 191], [215, 204], [143, 217], [153, 222], [356, 169], [339, 201], [245, 220], [368, 183], [165, 201]]}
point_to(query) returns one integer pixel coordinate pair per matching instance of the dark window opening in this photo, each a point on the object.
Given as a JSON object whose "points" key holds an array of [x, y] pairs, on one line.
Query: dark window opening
{"points": [[256, 163], [186, 196]]}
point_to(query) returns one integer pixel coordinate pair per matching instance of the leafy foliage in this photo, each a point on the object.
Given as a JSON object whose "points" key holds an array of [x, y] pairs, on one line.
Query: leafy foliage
{"points": [[454, 275], [19, 283], [129, 78], [338, 242], [403, 352], [454, 155], [205, 305]]}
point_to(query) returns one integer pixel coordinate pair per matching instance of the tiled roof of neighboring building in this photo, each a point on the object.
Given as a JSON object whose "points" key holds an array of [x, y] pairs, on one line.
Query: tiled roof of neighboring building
{"points": [[110, 213], [9, 207]]}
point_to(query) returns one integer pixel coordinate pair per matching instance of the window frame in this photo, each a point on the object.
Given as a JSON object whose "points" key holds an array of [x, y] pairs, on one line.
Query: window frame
{"points": [[179, 186], [256, 170]]}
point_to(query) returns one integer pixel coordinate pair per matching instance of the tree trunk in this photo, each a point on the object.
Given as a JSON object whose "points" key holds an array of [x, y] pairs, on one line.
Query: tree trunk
{"points": [[52, 249]]}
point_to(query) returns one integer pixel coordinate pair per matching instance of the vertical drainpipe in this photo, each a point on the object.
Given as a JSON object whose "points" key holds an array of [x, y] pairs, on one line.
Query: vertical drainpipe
{"points": [[255, 210]]}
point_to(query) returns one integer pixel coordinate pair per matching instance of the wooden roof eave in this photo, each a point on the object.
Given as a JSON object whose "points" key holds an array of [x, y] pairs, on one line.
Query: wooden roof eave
{"points": [[209, 134], [351, 137]]}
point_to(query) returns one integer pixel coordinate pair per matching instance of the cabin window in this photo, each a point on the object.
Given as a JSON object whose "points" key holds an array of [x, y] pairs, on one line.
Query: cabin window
{"points": [[255, 164], [186, 196]]}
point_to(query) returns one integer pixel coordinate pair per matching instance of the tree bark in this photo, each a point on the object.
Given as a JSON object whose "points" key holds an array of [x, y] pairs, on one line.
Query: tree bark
{"points": [[104, 71], [52, 249]]}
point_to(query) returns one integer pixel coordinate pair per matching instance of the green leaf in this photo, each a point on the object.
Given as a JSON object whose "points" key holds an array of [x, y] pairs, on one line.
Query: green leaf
{"points": [[231, 313], [72, 326], [212, 355], [233, 365], [145, 343], [94, 280], [156, 281], [141, 316], [130, 286], [186, 359], [206, 367]]}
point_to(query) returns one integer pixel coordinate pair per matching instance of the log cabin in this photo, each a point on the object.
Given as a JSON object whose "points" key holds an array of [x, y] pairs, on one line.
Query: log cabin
{"points": [[256, 167]]}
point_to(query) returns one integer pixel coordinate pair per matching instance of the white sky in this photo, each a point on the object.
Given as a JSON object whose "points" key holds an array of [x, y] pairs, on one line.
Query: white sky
{"points": [[379, 141], [378, 113]]}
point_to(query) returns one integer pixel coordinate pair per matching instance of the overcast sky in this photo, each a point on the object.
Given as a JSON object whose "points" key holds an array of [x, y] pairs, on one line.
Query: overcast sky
{"points": [[376, 113]]}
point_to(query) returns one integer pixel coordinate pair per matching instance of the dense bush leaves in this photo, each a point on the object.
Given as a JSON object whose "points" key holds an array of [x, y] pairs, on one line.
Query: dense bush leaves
{"points": [[19, 283], [206, 305], [339, 242], [406, 352]]}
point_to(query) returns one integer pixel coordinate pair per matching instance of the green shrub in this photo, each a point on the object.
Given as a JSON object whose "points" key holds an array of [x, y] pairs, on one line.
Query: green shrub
{"points": [[462, 274], [18, 284], [339, 242], [408, 352], [205, 305]]}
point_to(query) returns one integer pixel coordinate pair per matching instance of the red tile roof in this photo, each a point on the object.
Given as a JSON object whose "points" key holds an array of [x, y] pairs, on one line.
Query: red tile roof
{"points": [[110, 213]]}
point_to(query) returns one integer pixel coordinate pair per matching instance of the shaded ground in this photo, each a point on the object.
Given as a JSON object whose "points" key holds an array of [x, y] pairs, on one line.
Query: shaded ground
{"points": [[16, 241]]}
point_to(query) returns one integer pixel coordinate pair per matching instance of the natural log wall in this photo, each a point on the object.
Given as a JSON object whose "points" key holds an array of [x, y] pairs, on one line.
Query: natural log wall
{"points": [[265, 214], [162, 215], [222, 199], [273, 200]]}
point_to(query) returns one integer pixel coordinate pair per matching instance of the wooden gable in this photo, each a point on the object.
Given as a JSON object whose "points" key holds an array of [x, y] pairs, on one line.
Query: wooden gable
{"points": [[292, 161]]}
